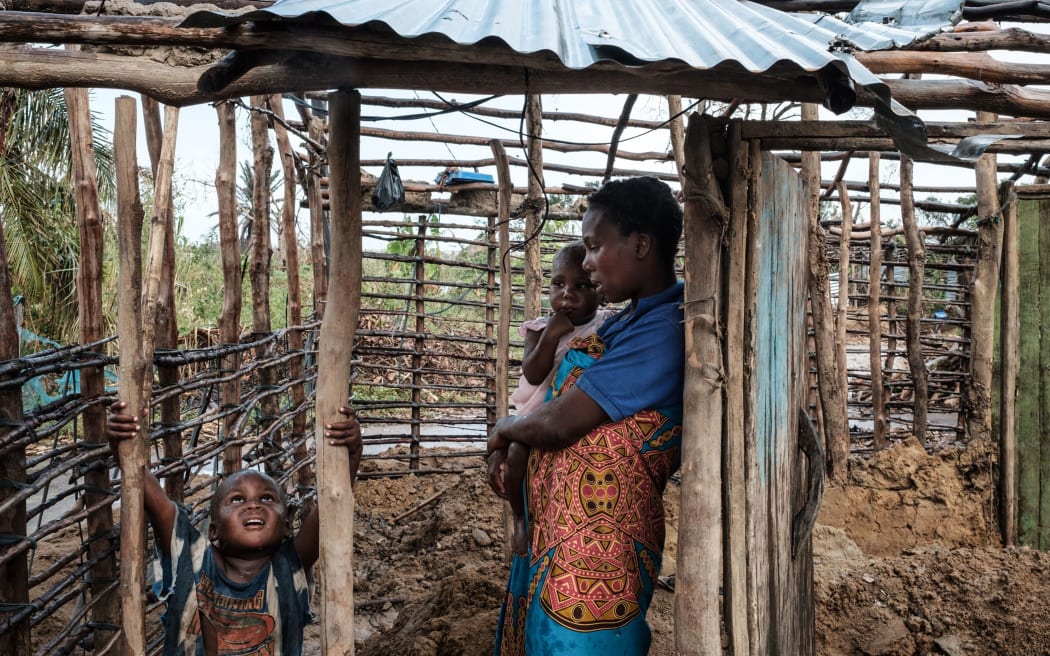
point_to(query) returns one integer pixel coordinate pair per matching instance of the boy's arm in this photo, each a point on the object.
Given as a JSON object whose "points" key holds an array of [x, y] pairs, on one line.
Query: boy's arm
{"points": [[340, 433], [538, 358], [160, 510]]}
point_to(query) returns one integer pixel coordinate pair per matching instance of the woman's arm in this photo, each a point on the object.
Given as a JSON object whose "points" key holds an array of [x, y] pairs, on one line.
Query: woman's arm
{"points": [[554, 425]]}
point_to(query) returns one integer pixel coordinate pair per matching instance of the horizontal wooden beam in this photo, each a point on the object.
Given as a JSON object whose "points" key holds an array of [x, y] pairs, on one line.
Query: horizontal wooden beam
{"points": [[971, 65], [1007, 146], [1013, 38], [41, 68], [975, 96], [936, 131]]}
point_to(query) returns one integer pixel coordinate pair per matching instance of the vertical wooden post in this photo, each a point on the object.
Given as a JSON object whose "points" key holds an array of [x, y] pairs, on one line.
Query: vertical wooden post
{"points": [[534, 217], [677, 130], [92, 380], [697, 626], [734, 493], [304, 476], [315, 200], [420, 274], [977, 400], [1008, 339], [259, 267], [135, 356], [335, 495], [829, 375], [506, 305], [229, 247], [916, 284], [878, 400], [838, 446], [14, 572], [167, 323]]}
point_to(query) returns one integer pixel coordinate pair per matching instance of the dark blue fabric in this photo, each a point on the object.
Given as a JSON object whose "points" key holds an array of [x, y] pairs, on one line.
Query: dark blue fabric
{"points": [[625, 381]]}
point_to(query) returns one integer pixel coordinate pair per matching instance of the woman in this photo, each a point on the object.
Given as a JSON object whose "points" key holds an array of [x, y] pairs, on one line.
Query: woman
{"points": [[603, 449]]}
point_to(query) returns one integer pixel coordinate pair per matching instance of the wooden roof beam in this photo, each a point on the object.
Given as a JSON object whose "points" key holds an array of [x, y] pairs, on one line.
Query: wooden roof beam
{"points": [[42, 68]]}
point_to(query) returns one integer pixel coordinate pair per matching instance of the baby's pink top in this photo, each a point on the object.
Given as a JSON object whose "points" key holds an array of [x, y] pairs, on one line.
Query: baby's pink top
{"points": [[528, 397]]}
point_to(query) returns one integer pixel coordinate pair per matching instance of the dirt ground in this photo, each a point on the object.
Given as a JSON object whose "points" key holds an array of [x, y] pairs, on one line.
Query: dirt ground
{"points": [[906, 562]]}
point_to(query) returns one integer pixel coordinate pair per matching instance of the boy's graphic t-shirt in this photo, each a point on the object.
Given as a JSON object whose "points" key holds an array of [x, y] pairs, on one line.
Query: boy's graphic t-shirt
{"points": [[263, 617]]}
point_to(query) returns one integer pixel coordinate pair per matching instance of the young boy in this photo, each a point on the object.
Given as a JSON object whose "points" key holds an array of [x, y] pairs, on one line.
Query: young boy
{"points": [[575, 305], [242, 590]]}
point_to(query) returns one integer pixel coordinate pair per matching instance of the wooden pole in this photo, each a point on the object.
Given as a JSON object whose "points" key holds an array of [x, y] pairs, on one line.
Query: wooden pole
{"points": [[335, 495], [916, 283], [304, 475], [878, 400], [838, 446], [259, 267], [167, 323], [506, 305], [1008, 340], [697, 626], [614, 142], [536, 204], [229, 247], [318, 253], [734, 493], [419, 273], [105, 611], [977, 400], [677, 130], [14, 572], [135, 356], [829, 376]]}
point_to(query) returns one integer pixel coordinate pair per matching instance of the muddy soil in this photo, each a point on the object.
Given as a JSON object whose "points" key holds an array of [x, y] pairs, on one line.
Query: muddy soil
{"points": [[906, 562]]}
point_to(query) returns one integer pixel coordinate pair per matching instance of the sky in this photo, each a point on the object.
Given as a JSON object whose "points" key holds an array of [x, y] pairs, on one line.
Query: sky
{"points": [[197, 142], [197, 145]]}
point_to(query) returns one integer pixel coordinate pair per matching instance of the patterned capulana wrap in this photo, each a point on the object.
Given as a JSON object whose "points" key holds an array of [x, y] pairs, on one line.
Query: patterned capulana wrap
{"points": [[596, 520]]}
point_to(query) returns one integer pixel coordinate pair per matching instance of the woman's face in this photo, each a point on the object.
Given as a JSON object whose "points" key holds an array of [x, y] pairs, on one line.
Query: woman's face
{"points": [[611, 257]]}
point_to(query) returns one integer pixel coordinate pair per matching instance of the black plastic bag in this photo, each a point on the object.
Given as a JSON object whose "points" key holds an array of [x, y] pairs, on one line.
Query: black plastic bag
{"points": [[389, 191]]}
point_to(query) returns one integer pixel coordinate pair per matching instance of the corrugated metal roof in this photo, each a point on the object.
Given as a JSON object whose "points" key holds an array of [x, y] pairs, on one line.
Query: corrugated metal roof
{"points": [[735, 36], [703, 34], [885, 24]]}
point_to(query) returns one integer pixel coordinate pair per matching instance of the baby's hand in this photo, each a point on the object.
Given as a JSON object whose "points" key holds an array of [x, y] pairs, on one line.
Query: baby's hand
{"points": [[559, 324], [345, 433], [497, 468]]}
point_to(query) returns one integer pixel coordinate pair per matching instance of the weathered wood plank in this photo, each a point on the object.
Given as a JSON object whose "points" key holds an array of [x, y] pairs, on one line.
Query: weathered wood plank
{"points": [[783, 584], [1043, 525], [1029, 402]]}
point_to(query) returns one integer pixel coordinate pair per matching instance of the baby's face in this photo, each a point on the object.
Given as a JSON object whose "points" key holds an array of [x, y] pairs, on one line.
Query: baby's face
{"points": [[250, 516], [571, 291]]}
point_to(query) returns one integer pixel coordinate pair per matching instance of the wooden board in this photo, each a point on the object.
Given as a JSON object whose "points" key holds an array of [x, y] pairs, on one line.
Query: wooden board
{"points": [[782, 592]]}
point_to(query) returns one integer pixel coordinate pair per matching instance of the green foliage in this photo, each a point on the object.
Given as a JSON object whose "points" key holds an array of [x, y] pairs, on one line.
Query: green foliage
{"points": [[37, 208]]}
